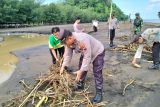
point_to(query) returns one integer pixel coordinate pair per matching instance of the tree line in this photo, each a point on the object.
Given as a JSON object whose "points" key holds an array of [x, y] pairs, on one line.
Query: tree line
{"points": [[34, 12]]}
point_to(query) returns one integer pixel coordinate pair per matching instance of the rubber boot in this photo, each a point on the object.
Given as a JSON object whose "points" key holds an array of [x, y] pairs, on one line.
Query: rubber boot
{"points": [[111, 44], [154, 66], [98, 97]]}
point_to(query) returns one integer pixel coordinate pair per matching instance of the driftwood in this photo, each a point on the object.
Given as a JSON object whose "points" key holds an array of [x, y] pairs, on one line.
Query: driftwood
{"points": [[128, 84], [146, 86], [24, 84]]}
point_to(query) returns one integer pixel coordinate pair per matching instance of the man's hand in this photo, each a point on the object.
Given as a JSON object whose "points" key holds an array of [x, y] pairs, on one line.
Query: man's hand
{"points": [[79, 73], [82, 45], [57, 59], [61, 70], [117, 27]]}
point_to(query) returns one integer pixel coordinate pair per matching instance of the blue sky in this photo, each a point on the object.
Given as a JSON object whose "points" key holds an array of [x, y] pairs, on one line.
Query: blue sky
{"points": [[148, 9]]}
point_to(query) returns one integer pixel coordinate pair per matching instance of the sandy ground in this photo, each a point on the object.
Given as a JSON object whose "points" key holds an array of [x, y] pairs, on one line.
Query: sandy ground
{"points": [[144, 92]]}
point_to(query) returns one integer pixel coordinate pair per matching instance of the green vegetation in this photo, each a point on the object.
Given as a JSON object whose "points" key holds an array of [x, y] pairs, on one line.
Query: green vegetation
{"points": [[34, 12]]}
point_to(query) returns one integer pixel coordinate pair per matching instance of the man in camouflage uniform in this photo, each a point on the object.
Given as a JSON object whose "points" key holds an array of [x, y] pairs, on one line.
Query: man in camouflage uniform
{"points": [[138, 23]]}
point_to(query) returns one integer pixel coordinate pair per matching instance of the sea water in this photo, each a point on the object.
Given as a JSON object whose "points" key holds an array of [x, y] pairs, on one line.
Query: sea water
{"points": [[8, 60]]}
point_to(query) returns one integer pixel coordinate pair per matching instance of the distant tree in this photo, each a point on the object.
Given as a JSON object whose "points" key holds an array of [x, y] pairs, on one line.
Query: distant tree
{"points": [[8, 9], [52, 14], [38, 15], [64, 11], [107, 2], [159, 14], [26, 9]]}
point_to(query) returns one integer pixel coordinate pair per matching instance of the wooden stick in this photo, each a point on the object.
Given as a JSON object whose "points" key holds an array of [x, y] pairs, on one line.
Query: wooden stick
{"points": [[88, 100], [64, 103], [24, 84], [25, 100], [110, 14], [43, 98], [127, 86], [69, 101]]}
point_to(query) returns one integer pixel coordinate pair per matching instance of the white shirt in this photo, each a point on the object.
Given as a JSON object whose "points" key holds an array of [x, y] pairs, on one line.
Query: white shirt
{"points": [[112, 23], [95, 23], [77, 28]]}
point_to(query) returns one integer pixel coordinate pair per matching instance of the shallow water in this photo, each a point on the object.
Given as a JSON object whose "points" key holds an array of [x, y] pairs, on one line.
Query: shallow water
{"points": [[13, 43]]}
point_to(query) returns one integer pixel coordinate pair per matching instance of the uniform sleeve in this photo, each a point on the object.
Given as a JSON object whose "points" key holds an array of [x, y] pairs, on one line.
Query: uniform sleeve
{"points": [[67, 56], [87, 55], [150, 31]]}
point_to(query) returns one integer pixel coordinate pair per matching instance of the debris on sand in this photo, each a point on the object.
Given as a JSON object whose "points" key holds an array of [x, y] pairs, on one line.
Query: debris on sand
{"points": [[123, 38], [128, 84], [51, 90], [131, 48]]}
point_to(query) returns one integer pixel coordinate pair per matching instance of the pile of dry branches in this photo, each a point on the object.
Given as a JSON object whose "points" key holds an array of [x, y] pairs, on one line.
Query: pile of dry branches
{"points": [[123, 38], [51, 90], [131, 47]]}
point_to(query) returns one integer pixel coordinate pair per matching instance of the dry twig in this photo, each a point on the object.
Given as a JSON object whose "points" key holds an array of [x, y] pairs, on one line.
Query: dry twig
{"points": [[124, 90]]}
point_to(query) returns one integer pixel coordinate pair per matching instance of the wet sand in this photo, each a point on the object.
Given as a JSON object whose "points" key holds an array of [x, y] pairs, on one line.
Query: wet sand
{"points": [[118, 71]]}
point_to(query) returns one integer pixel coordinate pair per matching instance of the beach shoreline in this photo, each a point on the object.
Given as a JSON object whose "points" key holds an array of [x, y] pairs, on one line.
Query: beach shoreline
{"points": [[29, 66]]}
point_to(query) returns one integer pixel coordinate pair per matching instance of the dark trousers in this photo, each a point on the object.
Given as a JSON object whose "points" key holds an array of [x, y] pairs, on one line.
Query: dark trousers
{"points": [[112, 35], [60, 51], [97, 70], [94, 28], [156, 53]]}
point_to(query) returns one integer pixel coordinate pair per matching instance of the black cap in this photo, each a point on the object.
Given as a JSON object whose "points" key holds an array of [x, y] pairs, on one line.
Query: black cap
{"points": [[64, 34], [137, 14]]}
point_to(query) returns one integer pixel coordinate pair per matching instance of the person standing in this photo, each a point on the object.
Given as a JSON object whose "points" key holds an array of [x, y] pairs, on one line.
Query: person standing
{"points": [[95, 25], [55, 46], [76, 26], [91, 50], [112, 26], [138, 23]]}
